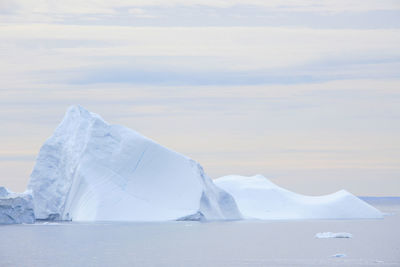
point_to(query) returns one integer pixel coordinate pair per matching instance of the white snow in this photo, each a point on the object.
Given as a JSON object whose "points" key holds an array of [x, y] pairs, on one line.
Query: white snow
{"points": [[16, 207], [89, 170], [333, 235], [259, 198]]}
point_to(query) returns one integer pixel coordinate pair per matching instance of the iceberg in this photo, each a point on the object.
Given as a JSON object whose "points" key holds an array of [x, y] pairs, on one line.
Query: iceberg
{"points": [[89, 170], [16, 207], [259, 198]]}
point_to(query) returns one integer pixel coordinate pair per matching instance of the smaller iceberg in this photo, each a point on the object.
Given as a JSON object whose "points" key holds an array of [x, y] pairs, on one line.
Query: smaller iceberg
{"points": [[259, 198], [16, 207], [333, 235]]}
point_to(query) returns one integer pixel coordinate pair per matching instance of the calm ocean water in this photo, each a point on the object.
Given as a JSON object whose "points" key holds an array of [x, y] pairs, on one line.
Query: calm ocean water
{"points": [[241, 243]]}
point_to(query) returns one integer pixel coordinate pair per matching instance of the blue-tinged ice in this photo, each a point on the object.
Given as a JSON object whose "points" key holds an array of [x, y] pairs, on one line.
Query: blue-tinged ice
{"points": [[16, 207], [89, 170]]}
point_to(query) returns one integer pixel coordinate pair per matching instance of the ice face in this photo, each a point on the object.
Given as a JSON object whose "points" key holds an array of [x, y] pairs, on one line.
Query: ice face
{"points": [[89, 170], [259, 198], [15, 207], [3, 191]]}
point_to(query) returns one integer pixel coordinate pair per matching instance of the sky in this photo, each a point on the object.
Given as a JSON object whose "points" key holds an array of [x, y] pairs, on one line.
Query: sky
{"points": [[305, 92]]}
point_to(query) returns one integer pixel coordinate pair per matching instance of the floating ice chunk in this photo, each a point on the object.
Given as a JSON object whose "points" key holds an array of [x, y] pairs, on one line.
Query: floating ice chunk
{"points": [[16, 207], [48, 223], [333, 235], [339, 255]]}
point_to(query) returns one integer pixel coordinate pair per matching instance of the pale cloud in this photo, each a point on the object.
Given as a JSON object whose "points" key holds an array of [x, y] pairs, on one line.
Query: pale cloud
{"points": [[140, 13], [177, 12], [347, 124], [240, 49], [104, 6], [241, 86]]}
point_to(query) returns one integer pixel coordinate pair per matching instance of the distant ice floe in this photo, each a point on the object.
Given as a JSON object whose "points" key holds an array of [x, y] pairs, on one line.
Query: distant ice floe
{"points": [[333, 235]]}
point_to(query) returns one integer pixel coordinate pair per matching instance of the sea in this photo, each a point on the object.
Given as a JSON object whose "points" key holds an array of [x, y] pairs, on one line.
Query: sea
{"points": [[236, 243]]}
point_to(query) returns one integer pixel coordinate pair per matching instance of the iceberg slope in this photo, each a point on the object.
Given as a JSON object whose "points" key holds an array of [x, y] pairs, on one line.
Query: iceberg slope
{"points": [[16, 207], [259, 198], [89, 170]]}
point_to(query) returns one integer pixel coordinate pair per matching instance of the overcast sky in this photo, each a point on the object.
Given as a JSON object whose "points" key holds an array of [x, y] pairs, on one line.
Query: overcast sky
{"points": [[304, 92]]}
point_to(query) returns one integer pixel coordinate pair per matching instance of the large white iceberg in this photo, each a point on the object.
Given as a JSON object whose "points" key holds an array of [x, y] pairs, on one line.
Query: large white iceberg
{"points": [[16, 207], [259, 198], [89, 170]]}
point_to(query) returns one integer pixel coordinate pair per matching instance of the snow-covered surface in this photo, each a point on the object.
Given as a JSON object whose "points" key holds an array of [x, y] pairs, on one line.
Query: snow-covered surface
{"points": [[333, 235], [89, 170], [16, 207], [259, 198]]}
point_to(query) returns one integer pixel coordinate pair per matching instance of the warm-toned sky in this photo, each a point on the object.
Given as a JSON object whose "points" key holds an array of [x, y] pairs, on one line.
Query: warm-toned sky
{"points": [[304, 92]]}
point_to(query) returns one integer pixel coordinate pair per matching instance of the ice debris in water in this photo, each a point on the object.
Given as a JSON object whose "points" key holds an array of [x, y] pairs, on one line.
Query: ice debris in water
{"points": [[339, 255], [333, 235]]}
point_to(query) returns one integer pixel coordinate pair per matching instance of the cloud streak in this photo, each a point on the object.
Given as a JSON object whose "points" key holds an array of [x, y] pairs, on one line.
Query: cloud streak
{"points": [[242, 86], [200, 55]]}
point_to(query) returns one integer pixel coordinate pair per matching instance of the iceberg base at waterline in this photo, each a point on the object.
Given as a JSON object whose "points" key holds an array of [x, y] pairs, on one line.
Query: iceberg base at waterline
{"points": [[16, 207], [259, 198]]}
